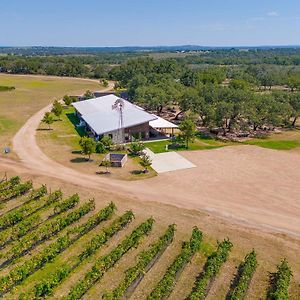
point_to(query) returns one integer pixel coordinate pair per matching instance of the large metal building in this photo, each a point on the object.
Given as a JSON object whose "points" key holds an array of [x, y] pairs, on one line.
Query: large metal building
{"points": [[100, 118]]}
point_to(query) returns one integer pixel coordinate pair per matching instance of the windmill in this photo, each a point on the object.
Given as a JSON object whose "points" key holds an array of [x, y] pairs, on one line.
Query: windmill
{"points": [[119, 107]]}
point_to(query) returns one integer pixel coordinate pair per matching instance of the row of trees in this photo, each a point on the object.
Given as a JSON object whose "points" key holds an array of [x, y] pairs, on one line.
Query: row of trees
{"points": [[71, 66], [237, 109]]}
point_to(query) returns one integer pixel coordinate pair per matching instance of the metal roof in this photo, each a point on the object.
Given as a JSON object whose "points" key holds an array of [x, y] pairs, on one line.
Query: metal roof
{"points": [[100, 116], [161, 123]]}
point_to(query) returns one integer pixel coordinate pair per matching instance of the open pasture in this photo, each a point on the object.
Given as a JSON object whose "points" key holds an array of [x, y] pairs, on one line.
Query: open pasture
{"points": [[32, 93]]}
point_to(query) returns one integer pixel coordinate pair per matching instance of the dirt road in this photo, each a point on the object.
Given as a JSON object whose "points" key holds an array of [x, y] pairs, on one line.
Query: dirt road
{"points": [[246, 184]]}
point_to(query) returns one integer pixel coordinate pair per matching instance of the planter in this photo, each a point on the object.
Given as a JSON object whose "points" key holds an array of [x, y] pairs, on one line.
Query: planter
{"points": [[116, 159]]}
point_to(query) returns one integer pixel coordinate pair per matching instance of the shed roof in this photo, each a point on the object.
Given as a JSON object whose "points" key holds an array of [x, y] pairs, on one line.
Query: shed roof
{"points": [[161, 123]]}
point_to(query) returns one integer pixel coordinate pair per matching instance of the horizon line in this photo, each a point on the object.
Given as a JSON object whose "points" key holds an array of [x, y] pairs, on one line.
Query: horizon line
{"points": [[155, 46]]}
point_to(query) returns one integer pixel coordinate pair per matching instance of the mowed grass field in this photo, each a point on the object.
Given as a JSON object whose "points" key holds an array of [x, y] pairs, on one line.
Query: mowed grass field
{"points": [[31, 94], [288, 139], [271, 248]]}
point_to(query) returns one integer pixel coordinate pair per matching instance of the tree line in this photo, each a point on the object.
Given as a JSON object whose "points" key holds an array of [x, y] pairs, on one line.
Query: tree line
{"points": [[228, 99]]}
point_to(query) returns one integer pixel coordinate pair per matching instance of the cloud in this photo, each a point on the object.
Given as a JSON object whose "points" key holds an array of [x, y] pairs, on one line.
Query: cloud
{"points": [[273, 14]]}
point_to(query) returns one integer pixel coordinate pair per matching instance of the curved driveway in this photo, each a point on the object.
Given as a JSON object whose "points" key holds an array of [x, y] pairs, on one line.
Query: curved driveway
{"points": [[246, 184]]}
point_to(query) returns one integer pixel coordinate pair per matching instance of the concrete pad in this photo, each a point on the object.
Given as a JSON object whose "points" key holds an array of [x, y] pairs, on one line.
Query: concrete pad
{"points": [[168, 161]]}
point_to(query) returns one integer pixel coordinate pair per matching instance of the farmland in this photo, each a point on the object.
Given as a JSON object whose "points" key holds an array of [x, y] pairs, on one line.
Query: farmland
{"points": [[81, 244], [32, 93]]}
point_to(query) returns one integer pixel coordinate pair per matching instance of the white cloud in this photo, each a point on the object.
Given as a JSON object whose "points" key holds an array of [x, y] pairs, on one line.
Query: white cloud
{"points": [[273, 14]]}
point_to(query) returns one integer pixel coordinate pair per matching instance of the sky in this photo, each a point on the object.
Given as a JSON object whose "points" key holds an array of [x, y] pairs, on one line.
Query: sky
{"points": [[149, 22]]}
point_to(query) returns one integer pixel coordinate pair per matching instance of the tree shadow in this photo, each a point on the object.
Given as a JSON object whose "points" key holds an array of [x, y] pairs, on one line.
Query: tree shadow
{"points": [[103, 173], [76, 152], [80, 160], [137, 172], [44, 129]]}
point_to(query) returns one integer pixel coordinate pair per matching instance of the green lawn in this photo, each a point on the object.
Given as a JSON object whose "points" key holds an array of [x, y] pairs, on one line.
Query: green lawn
{"points": [[274, 144], [198, 144], [286, 140]]}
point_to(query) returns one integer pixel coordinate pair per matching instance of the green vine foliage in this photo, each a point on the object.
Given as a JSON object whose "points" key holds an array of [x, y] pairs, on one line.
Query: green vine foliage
{"points": [[145, 258], [211, 269], [167, 283], [243, 278], [280, 282], [6, 184], [106, 262], [15, 191], [46, 287], [47, 230], [20, 273], [67, 204], [29, 216], [19, 213]]}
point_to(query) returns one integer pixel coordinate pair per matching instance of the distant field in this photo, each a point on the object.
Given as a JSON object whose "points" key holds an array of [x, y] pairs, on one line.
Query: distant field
{"points": [[31, 94]]}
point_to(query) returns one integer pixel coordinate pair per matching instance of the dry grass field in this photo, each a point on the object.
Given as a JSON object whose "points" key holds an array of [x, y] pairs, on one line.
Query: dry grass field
{"points": [[31, 94]]}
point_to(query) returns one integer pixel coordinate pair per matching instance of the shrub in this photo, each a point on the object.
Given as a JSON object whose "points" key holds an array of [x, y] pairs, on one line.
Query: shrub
{"points": [[6, 88], [67, 100], [100, 148], [107, 142], [136, 148]]}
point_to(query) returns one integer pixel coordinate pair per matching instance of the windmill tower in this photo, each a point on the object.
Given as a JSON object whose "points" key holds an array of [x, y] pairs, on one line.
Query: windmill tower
{"points": [[119, 107]]}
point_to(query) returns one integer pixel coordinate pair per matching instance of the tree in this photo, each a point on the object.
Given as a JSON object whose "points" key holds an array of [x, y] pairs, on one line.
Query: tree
{"points": [[294, 100], [57, 109], [294, 82], [145, 162], [100, 147], [106, 163], [191, 100], [88, 95], [153, 97], [88, 146], [68, 100], [48, 119], [104, 82], [188, 129], [239, 84], [107, 142]]}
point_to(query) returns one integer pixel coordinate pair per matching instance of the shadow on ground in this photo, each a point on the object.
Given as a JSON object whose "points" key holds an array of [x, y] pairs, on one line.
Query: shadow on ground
{"points": [[75, 120]]}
